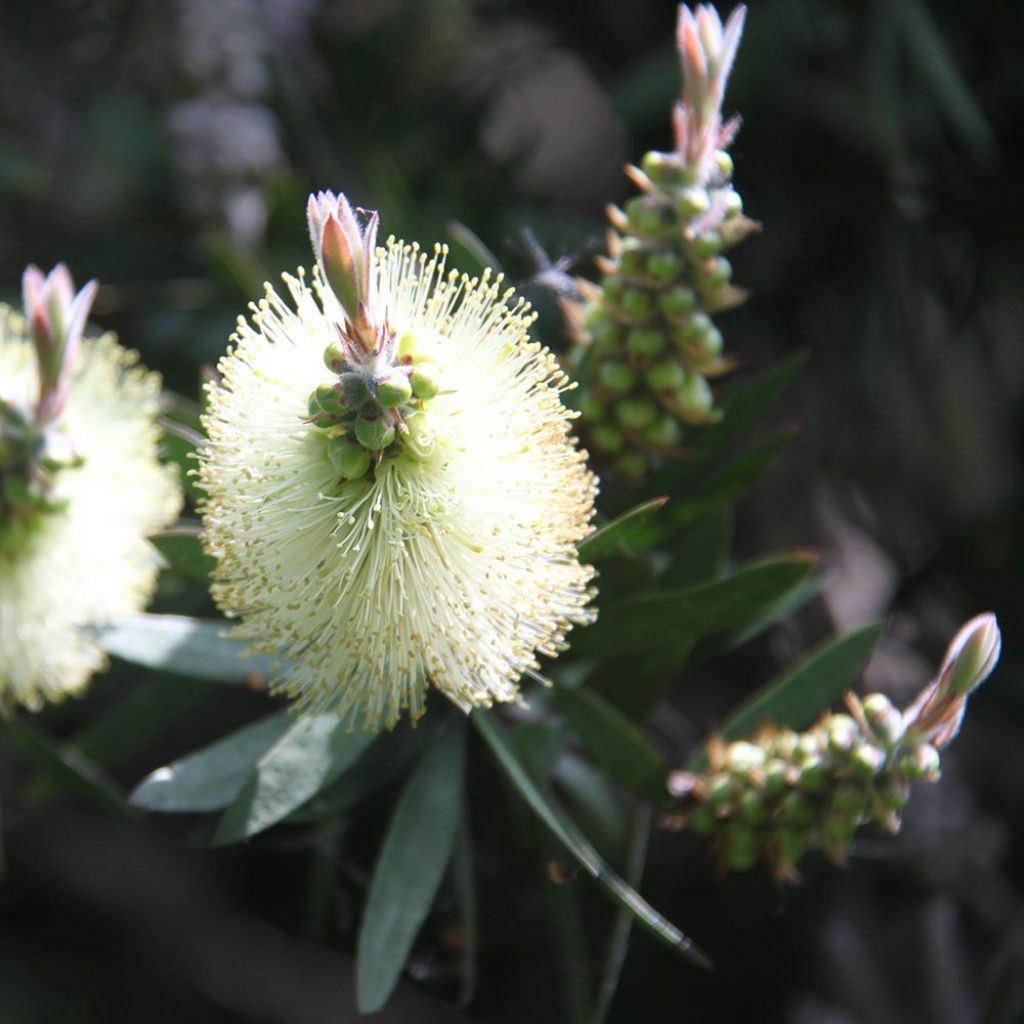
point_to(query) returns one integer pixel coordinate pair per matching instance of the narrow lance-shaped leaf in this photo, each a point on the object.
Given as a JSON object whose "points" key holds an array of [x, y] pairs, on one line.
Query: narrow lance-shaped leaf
{"points": [[212, 777], [611, 536], [409, 867], [577, 844], [615, 742], [310, 755], [198, 648]]}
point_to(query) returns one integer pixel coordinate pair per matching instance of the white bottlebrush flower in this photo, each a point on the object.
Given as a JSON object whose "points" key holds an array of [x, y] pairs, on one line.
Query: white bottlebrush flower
{"points": [[393, 495], [80, 490]]}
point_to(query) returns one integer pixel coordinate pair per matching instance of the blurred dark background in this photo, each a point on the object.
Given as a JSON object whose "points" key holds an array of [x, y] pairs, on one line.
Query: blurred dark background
{"points": [[167, 149]]}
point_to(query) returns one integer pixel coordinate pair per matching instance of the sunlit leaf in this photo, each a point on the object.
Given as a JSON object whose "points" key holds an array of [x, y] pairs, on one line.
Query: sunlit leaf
{"points": [[309, 756], [198, 648], [211, 778]]}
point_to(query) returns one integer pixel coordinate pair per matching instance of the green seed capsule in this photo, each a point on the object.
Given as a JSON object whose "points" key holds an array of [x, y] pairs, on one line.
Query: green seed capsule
{"points": [[923, 764], [790, 845], [775, 778], [351, 461], [733, 204], [312, 408], [752, 807], [657, 166], [633, 259], [866, 760], [723, 163], [666, 375], [797, 809], [885, 720], [374, 434], [331, 399], [616, 378], [813, 775], [717, 272], [637, 304], [425, 381], [842, 735], [645, 341], [393, 388], [334, 357], [421, 439], [636, 413]]}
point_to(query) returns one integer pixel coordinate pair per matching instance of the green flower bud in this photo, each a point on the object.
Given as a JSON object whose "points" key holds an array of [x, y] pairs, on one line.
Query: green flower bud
{"points": [[351, 461], [752, 807], [797, 809], [742, 847], [775, 777], [663, 267], [704, 822], [733, 204], [607, 438], [814, 775], [922, 764], [393, 388], [659, 167], [633, 258], [723, 163], [694, 399], [707, 244], [374, 434], [594, 314], [692, 201], [785, 743], [636, 413], [637, 304], [330, 398], [885, 720], [849, 804], [614, 288], [720, 791], [334, 357], [422, 436], [616, 378], [677, 302], [645, 341], [666, 375], [807, 748], [744, 758], [866, 760], [790, 845], [425, 381], [312, 409], [843, 733], [717, 272], [894, 795], [838, 833]]}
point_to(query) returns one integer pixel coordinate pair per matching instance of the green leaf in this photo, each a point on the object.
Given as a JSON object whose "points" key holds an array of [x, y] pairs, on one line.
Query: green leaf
{"points": [[797, 697], [669, 619], [701, 553], [409, 867], [618, 943], [495, 735], [211, 778], [614, 742], [191, 647], [184, 552], [310, 755], [730, 483], [612, 537]]}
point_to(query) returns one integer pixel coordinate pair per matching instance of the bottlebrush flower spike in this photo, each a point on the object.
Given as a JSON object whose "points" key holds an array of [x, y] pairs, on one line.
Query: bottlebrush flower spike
{"points": [[393, 497], [80, 489], [646, 344]]}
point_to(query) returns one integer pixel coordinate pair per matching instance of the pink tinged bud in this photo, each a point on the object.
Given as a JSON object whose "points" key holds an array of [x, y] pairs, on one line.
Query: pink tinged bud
{"points": [[340, 266], [972, 656]]}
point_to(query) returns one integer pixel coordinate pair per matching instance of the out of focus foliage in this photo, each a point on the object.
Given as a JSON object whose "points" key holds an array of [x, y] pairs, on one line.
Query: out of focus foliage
{"points": [[167, 149]]}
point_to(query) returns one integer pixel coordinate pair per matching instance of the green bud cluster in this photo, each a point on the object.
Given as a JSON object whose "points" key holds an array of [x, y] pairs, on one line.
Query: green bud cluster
{"points": [[647, 344], [774, 797], [376, 408], [30, 456]]}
